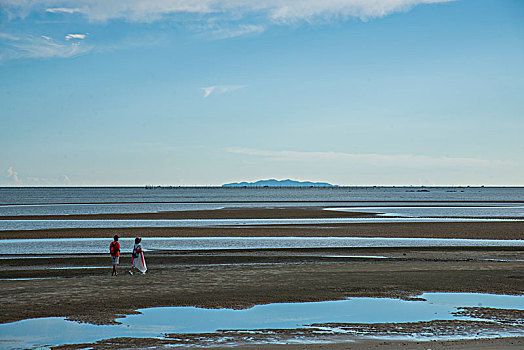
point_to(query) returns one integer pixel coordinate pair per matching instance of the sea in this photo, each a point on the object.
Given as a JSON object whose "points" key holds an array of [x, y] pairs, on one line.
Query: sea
{"points": [[79, 195], [391, 204], [109, 200]]}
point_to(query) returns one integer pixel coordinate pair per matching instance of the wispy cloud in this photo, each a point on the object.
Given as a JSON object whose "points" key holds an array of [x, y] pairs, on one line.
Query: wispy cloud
{"points": [[372, 159], [276, 10], [12, 175], [217, 19], [75, 36], [65, 179], [63, 10], [12, 178], [28, 46], [291, 11], [9, 37], [220, 89], [233, 32]]}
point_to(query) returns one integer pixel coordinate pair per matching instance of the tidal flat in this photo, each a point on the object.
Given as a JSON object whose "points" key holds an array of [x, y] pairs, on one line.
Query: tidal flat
{"points": [[59, 275], [79, 288]]}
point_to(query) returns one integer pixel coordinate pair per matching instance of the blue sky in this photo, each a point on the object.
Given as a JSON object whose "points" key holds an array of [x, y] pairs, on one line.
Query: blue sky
{"points": [[204, 92]]}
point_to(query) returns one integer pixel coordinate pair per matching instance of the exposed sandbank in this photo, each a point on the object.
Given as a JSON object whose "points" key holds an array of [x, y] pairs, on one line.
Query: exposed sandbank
{"points": [[466, 230]]}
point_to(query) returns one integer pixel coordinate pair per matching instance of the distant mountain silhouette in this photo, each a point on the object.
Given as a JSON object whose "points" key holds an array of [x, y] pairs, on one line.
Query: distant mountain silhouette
{"points": [[279, 183]]}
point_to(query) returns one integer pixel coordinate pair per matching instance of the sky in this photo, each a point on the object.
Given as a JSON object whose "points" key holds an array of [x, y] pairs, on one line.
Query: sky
{"points": [[207, 92]]}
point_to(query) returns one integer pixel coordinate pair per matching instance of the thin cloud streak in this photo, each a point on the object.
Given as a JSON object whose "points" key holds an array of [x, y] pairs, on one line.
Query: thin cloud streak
{"points": [[10, 37], [75, 36], [62, 10], [372, 159], [241, 30], [220, 89]]}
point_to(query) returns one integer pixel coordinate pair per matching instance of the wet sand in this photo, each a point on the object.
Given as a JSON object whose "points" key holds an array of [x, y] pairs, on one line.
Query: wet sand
{"points": [[353, 339], [241, 279], [480, 344], [466, 230], [295, 212], [225, 213], [80, 287]]}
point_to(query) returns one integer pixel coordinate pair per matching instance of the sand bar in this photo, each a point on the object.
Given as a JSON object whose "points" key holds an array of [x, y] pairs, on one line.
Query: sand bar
{"points": [[467, 230]]}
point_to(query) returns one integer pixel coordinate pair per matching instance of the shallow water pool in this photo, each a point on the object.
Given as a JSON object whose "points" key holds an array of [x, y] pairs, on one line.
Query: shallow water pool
{"points": [[155, 322]]}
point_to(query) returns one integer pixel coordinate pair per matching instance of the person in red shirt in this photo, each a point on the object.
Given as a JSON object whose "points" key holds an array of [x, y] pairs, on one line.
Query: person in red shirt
{"points": [[114, 249]]}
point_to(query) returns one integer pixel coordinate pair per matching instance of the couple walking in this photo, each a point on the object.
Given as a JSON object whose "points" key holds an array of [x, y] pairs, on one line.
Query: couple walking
{"points": [[137, 257]]}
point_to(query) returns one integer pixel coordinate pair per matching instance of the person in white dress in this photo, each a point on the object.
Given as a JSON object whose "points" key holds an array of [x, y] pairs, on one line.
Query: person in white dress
{"points": [[137, 258]]}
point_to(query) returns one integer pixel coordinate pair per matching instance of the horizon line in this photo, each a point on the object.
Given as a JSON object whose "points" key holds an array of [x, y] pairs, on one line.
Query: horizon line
{"points": [[265, 186]]}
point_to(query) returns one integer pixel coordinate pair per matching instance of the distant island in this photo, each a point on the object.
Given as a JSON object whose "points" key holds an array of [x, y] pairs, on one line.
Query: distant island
{"points": [[279, 183]]}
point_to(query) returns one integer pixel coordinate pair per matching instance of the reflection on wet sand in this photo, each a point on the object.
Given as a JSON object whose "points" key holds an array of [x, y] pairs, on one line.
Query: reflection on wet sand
{"points": [[432, 316]]}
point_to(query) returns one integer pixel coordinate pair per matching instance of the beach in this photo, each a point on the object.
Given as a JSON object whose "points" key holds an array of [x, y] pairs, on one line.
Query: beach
{"points": [[282, 174], [78, 286], [242, 279]]}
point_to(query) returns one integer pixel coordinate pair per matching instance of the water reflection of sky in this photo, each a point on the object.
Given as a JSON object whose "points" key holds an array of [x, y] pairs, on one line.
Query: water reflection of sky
{"points": [[101, 245], [154, 322], [57, 224], [506, 211]]}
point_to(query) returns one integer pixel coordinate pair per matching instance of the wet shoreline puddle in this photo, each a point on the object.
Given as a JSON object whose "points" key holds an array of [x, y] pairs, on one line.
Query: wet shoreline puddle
{"points": [[441, 316]]}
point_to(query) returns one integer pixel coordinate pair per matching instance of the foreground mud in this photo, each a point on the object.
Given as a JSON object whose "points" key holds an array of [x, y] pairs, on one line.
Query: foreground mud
{"points": [[81, 288]]}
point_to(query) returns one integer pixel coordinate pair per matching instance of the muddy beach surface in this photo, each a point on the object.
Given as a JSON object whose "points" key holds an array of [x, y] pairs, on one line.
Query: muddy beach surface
{"points": [[223, 213], [79, 286], [465, 230]]}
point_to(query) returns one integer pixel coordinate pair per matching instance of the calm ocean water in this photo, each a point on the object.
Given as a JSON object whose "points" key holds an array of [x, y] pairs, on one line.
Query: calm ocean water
{"points": [[32, 195], [419, 204], [409, 203]]}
